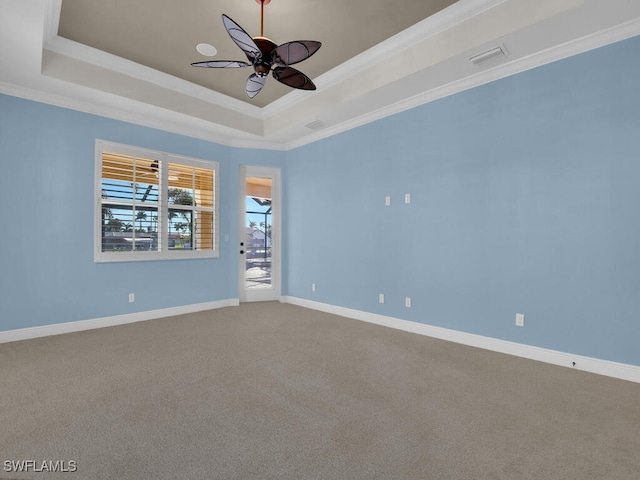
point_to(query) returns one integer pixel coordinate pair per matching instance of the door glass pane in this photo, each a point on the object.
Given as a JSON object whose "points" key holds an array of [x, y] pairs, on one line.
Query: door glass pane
{"points": [[257, 239]]}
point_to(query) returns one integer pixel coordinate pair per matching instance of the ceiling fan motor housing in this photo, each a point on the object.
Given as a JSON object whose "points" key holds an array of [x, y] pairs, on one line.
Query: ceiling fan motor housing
{"points": [[263, 65], [262, 69]]}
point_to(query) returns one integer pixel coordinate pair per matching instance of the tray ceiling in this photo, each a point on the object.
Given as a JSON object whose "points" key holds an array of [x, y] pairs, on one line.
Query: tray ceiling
{"points": [[163, 34], [130, 59]]}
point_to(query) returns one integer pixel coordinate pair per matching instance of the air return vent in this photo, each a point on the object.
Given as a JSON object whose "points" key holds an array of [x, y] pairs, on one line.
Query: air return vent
{"points": [[316, 125], [490, 56]]}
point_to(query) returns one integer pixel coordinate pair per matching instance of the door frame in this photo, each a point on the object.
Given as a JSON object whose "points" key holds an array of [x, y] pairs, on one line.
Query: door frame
{"points": [[273, 293]]}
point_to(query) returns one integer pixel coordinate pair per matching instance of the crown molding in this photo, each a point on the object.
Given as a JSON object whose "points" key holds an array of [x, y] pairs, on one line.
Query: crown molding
{"points": [[575, 47], [444, 19], [145, 115], [110, 105], [93, 56], [426, 28]]}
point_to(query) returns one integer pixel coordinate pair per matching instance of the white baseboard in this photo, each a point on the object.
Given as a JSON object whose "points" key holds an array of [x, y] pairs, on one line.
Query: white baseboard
{"points": [[69, 327], [594, 365]]}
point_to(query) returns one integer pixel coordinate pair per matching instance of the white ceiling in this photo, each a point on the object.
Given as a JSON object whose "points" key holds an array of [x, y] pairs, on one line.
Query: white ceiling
{"points": [[422, 62]]}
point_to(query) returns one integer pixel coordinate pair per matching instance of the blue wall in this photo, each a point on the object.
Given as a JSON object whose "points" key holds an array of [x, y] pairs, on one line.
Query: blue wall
{"points": [[48, 275], [524, 198]]}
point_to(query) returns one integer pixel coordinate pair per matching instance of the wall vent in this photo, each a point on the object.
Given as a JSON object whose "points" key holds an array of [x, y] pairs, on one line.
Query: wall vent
{"points": [[490, 56], [316, 125]]}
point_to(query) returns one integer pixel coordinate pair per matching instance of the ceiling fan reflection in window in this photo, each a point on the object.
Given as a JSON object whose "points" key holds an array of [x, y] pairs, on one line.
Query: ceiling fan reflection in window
{"points": [[153, 174], [266, 56]]}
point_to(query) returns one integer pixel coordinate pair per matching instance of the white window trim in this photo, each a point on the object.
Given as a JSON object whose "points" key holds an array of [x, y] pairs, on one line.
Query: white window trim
{"points": [[163, 253]]}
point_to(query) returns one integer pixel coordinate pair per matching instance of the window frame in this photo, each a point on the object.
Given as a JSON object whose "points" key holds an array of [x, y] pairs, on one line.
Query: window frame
{"points": [[163, 159]]}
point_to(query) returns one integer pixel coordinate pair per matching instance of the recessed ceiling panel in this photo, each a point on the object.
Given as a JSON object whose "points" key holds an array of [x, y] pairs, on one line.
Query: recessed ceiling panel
{"points": [[163, 34]]}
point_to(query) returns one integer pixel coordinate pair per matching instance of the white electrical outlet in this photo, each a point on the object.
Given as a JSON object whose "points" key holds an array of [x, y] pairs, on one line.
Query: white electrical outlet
{"points": [[387, 200], [313, 287], [407, 302], [407, 198], [381, 297], [132, 297], [520, 319]]}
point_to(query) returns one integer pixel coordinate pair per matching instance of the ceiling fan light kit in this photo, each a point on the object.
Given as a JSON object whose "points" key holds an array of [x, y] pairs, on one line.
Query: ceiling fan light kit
{"points": [[266, 56]]}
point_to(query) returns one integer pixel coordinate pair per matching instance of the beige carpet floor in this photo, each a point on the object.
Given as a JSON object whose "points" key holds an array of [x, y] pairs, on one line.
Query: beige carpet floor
{"points": [[272, 391]]}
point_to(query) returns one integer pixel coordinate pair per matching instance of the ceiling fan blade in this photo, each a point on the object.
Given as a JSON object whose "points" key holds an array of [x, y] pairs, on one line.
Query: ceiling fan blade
{"points": [[294, 52], [254, 85], [220, 64], [242, 38], [293, 78]]}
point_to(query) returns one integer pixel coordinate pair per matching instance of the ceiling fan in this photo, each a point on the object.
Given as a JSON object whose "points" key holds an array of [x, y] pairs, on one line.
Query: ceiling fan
{"points": [[265, 56]]}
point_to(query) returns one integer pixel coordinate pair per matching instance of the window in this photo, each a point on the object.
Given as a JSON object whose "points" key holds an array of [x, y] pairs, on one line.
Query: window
{"points": [[153, 205]]}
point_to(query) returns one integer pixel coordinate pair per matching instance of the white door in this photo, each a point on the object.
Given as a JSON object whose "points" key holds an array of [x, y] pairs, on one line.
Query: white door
{"points": [[259, 249]]}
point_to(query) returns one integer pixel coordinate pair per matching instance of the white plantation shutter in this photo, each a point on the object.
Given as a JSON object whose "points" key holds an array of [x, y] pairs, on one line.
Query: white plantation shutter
{"points": [[191, 199], [129, 203], [153, 205]]}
